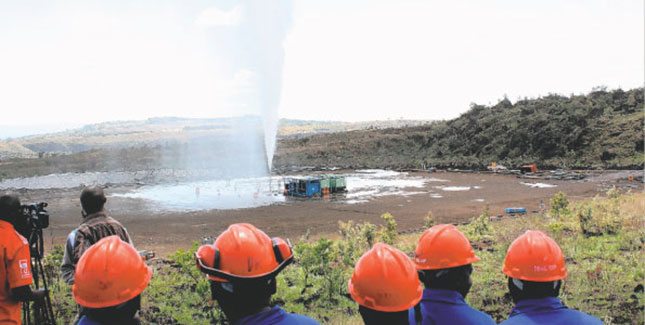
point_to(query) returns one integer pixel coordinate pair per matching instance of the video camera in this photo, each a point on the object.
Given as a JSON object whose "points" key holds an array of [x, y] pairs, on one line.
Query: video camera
{"points": [[36, 215], [36, 218]]}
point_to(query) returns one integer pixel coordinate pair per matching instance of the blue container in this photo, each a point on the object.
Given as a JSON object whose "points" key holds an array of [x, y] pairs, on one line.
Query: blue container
{"points": [[307, 187], [515, 210]]}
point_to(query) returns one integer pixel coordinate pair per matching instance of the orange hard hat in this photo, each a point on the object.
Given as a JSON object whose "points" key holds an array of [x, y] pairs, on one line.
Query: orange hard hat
{"points": [[243, 252], [443, 247], [109, 273], [385, 279], [536, 257]]}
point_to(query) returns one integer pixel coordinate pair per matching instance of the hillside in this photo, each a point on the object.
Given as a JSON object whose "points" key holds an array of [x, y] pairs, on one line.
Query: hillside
{"points": [[603, 129], [168, 130]]}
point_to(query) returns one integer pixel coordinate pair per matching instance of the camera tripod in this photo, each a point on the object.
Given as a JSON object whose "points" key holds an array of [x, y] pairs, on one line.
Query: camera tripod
{"points": [[43, 313]]}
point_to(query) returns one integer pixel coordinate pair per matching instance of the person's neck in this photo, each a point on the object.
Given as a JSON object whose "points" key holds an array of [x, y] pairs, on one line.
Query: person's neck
{"points": [[94, 214], [236, 315]]}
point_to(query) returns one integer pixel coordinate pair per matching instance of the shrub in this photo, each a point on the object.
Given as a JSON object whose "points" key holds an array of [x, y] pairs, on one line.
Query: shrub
{"points": [[388, 231], [480, 229], [598, 218], [559, 205], [429, 221]]}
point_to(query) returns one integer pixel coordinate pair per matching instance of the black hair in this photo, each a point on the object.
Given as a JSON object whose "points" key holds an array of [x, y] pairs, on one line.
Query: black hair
{"points": [[375, 317], [242, 298], [456, 279], [124, 313], [521, 289], [9, 208], [92, 199]]}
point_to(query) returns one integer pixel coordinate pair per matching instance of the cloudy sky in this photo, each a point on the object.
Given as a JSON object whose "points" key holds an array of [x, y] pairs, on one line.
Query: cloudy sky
{"points": [[66, 63]]}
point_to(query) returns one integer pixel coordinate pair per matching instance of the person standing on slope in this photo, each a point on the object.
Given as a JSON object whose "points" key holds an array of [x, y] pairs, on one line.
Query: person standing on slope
{"points": [[96, 225], [242, 265], [385, 285], [535, 268], [444, 260]]}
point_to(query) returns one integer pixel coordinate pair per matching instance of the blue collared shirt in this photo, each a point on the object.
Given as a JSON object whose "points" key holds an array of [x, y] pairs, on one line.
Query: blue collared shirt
{"points": [[276, 316], [549, 310], [448, 307]]}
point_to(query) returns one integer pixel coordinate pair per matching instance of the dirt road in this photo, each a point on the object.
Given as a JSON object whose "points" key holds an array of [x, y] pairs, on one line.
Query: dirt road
{"points": [[449, 201]]}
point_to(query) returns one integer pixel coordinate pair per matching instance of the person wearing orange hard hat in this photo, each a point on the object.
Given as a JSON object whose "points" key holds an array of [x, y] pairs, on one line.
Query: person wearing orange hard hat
{"points": [[535, 268], [385, 285], [242, 265], [444, 260], [109, 279]]}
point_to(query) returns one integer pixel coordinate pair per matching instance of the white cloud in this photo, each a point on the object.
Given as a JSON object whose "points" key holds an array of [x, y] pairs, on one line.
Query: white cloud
{"points": [[214, 17]]}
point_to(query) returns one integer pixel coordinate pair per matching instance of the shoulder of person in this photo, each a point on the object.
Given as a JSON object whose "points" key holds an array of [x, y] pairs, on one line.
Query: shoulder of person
{"points": [[301, 319], [585, 318]]}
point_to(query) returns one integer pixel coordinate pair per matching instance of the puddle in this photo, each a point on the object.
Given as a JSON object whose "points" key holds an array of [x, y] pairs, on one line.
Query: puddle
{"points": [[73, 180], [454, 188], [436, 196], [169, 190], [206, 195], [538, 185], [438, 180], [479, 200]]}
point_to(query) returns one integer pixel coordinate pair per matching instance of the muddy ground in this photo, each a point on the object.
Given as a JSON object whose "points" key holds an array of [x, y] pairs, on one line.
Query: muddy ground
{"points": [[165, 232]]}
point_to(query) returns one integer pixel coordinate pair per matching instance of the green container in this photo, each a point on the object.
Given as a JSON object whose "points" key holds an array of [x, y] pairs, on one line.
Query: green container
{"points": [[340, 182], [324, 183]]}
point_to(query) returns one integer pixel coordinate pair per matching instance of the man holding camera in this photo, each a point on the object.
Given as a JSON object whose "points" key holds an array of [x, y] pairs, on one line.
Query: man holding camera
{"points": [[95, 226], [15, 268]]}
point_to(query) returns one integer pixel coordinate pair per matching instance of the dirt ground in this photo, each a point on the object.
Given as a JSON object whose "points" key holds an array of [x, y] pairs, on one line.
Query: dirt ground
{"points": [[164, 233]]}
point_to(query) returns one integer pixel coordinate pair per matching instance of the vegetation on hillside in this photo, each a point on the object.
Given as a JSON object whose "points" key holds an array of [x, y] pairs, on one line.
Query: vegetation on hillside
{"points": [[603, 129], [602, 239]]}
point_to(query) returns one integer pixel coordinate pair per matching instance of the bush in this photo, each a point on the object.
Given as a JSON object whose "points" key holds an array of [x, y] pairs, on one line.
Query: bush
{"points": [[388, 231], [479, 230], [597, 218], [429, 221], [559, 205]]}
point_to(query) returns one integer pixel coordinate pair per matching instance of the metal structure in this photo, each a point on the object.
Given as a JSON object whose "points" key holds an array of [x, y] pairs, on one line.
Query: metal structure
{"points": [[314, 186]]}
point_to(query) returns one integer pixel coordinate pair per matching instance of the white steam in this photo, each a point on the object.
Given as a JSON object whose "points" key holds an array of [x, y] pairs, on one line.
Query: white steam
{"points": [[251, 34]]}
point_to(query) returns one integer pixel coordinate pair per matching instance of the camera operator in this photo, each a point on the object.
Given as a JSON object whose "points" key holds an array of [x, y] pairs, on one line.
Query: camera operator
{"points": [[96, 225], [15, 268]]}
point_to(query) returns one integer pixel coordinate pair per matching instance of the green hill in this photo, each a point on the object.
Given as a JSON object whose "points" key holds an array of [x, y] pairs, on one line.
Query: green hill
{"points": [[603, 129]]}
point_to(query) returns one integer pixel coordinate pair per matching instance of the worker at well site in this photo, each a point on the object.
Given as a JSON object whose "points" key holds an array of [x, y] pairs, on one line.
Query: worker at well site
{"points": [[242, 265], [109, 280], [15, 263], [535, 268], [385, 284], [96, 224], [444, 260]]}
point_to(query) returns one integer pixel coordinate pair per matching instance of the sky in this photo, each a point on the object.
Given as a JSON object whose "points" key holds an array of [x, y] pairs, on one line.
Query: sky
{"points": [[67, 63]]}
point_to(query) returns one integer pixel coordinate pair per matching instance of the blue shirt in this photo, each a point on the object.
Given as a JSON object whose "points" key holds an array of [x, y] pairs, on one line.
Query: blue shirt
{"points": [[87, 321], [448, 307], [549, 310], [276, 316]]}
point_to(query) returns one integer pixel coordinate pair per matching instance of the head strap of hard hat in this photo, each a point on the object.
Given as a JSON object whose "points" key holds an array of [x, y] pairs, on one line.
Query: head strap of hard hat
{"points": [[232, 277], [276, 250]]}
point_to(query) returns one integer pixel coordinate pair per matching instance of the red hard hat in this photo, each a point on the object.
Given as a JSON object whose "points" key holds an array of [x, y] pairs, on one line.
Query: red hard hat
{"points": [[243, 251], [109, 273], [536, 257], [443, 247], [385, 279]]}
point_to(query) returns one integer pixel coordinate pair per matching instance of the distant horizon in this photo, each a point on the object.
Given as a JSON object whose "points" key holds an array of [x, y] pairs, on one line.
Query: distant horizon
{"points": [[24, 130]]}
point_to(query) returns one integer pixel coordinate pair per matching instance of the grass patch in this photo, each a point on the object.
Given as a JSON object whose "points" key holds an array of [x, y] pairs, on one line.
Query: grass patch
{"points": [[605, 267]]}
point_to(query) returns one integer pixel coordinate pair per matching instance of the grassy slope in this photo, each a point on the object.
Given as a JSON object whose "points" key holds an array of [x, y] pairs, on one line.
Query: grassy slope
{"points": [[598, 130], [605, 271]]}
